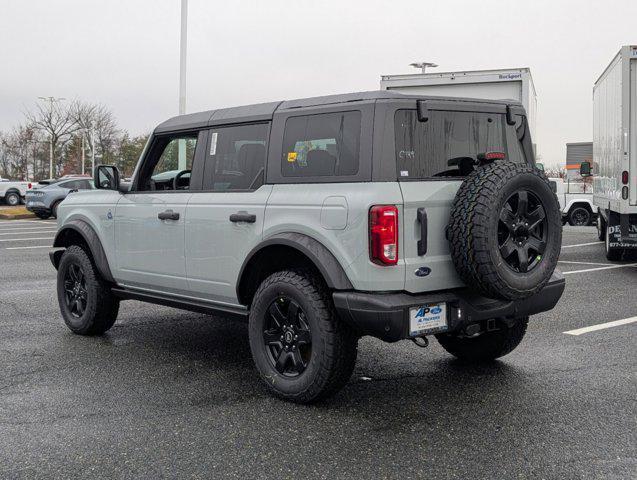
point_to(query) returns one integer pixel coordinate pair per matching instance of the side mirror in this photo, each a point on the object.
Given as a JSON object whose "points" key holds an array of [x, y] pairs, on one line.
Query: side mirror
{"points": [[585, 169], [539, 166], [107, 177]]}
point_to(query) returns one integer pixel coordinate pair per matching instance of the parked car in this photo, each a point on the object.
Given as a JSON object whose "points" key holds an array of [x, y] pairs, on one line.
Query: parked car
{"points": [[576, 202], [44, 201], [12, 193], [322, 220]]}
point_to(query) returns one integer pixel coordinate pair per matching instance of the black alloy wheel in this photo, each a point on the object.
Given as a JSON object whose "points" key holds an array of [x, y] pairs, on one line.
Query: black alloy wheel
{"points": [[579, 217], [287, 337], [522, 231], [75, 290]]}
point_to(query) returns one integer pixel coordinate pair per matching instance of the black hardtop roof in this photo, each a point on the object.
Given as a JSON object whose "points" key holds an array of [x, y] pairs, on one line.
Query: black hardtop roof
{"points": [[265, 111]]}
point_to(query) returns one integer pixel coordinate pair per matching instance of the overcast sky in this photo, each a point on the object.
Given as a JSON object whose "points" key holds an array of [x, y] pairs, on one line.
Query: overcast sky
{"points": [[125, 54]]}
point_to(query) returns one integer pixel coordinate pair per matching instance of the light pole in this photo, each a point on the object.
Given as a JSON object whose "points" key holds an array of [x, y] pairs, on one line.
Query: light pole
{"points": [[52, 101], [181, 157], [423, 65]]}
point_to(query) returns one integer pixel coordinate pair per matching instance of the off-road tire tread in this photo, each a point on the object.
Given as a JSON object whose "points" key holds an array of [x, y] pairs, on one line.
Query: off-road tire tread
{"points": [[472, 210], [103, 312], [489, 345], [339, 359]]}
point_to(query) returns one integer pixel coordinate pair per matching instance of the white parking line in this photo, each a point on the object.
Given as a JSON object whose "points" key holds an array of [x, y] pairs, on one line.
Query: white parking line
{"points": [[583, 263], [25, 239], [28, 248], [601, 326], [28, 233], [581, 245], [609, 267]]}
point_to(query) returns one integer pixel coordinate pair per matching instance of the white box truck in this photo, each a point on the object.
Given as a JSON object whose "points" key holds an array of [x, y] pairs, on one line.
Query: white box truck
{"points": [[614, 166], [511, 83]]}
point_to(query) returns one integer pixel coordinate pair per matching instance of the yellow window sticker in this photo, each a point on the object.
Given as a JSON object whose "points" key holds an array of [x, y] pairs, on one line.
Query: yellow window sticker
{"points": [[292, 157]]}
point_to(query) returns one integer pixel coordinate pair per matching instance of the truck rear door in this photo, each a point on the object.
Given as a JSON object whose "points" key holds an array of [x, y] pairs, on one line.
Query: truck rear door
{"points": [[432, 158], [633, 130]]}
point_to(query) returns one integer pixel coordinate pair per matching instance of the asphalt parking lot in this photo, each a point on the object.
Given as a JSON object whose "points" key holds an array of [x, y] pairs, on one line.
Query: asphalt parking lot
{"points": [[174, 394]]}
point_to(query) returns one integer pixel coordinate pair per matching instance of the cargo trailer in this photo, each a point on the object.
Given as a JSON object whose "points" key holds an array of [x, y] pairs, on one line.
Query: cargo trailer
{"points": [[614, 166], [505, 84]]}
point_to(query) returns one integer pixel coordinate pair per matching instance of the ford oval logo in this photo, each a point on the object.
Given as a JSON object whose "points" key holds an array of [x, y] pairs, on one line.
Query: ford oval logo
{"points": [[422, 272]]}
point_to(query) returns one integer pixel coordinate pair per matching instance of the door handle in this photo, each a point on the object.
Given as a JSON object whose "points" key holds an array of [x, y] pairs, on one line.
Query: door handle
{"points": [[421, 215], [168, 215], [243, 217]]}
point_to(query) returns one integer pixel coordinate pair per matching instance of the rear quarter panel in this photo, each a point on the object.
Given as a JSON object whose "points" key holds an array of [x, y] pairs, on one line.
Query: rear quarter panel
{"points": [[336, 215]]}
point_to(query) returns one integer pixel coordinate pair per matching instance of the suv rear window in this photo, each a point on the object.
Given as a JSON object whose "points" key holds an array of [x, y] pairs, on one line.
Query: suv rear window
{"points": [[321, 145], [424, 149]]}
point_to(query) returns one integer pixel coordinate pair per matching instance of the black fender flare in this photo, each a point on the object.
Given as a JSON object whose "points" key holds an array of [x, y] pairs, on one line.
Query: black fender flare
{"points": [[92, 241], [325, 262]]}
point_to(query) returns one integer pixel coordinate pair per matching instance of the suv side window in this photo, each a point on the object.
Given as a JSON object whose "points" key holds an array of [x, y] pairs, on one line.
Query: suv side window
{"points": [[163, 163], [320, 145], [425, 149], [236, 158]]}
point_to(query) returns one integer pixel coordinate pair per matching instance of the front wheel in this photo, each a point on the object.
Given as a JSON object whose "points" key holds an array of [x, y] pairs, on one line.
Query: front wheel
{"points": [[42, 215], [485, 346], [301, 349], [86, 302]]}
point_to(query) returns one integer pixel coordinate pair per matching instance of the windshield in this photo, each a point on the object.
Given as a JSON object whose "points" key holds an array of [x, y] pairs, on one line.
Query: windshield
{"points": [[445, 144]]}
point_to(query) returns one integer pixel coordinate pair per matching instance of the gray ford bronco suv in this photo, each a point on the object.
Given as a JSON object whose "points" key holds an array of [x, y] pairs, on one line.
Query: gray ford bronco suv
{"points": [[322, 220]]}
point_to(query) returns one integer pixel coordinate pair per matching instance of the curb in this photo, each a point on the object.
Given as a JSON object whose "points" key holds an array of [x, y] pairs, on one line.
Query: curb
{"points": [[16, 216]]}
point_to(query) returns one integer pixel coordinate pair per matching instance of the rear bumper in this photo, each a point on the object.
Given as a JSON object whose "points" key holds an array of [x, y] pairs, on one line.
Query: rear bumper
{"points": [[386, 315]]}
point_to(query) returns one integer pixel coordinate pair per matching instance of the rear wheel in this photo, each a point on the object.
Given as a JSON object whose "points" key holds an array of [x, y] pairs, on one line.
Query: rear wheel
{"points": [[579, 217], [601, 227], [42, 215], [12, 199], [488, 345], [54, 209], [86, 302], [301, 349]]}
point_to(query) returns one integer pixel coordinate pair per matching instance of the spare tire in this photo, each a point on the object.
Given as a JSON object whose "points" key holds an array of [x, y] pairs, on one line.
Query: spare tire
{"points": [[505, 231]]}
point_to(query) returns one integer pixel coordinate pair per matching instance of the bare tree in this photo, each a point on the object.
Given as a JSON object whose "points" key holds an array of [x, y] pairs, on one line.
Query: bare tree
{"points": [[98, 125], [57, 122]]}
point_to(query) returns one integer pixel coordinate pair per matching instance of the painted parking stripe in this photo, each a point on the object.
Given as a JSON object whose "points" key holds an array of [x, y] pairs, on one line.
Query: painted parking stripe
{"points": [[583, 263], [27, 233], [602, 326], [581, 245], [28, 248], [609, 267], [25, 239]]}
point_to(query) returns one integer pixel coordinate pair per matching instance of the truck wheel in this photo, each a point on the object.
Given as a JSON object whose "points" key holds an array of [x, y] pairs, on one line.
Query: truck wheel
{"points": [[12, 199], [579, 217], [86, 302], [505, 231], [487, 345], [301, 349], [612, 254], [601, 228]]}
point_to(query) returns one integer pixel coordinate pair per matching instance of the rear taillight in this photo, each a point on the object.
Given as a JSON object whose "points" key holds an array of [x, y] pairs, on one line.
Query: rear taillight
{"points": [[495, 156], [625, 177], [383, 234], [29, 186]]}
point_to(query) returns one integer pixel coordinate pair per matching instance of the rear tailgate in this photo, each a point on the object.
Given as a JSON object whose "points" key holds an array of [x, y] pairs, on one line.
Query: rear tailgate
{"points": [[435, 198]]}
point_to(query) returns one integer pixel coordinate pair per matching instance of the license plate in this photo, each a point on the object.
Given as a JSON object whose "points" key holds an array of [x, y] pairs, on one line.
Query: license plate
{"points": [[431, 318]]}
